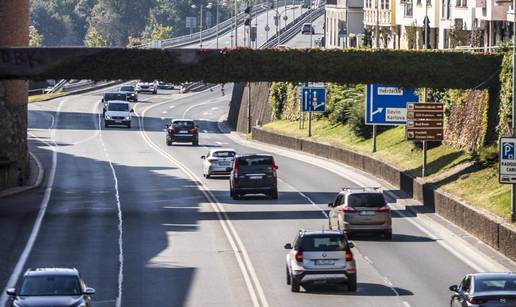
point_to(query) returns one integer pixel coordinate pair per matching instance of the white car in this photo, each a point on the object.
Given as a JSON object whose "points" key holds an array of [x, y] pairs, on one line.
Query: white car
{"points": [[117, 112], [147, 86], [218, 162]]}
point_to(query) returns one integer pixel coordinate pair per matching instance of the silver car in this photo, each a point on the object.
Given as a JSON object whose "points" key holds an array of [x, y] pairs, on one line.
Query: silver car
{"points": [[320, 256], [218, 162], [485, 290], [359, 210]]}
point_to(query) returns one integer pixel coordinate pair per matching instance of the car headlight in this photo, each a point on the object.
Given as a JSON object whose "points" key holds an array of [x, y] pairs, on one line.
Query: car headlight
{"points": [[128, 117]]}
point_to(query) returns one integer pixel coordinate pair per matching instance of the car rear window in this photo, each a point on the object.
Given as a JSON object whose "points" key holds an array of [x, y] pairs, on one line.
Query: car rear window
{"points": [[321, 243], [127, 89], [254, 163], [505, 283], [224, 154], [183, 124], [50, 285], [366, 200]]}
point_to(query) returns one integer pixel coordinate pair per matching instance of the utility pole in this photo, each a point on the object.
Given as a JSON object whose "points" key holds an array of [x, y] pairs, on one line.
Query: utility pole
{"points": [[377, 34], [277, 22], [200, 31], [217, 21], [426, 27], [236, 24]]}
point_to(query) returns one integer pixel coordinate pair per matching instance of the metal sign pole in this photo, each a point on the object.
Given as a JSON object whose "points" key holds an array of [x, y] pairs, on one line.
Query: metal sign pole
{"points": [[249, 108], [310, 124], [374, 138], [513, 186]]}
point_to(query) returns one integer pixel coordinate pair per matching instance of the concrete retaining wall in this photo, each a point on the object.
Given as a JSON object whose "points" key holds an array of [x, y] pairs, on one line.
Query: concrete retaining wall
{"points": [[482, 224]]}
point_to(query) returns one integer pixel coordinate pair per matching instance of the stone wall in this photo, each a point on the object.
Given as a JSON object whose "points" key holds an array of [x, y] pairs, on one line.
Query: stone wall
{"points": [[14, 32], [260, 109], [482, 224]]}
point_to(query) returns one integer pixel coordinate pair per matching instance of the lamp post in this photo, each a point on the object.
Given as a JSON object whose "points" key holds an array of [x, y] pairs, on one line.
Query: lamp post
{"points": [[208, 6], [236, 24]]}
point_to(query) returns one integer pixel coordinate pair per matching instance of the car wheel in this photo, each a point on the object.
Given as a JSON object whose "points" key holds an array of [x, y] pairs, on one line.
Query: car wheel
{"points": [[129, 125], [154, 92], [195, 143], [106, 124], [289, 280], [294, 284], [169, 142], [387, 235], [208, 176], [352, 283]]}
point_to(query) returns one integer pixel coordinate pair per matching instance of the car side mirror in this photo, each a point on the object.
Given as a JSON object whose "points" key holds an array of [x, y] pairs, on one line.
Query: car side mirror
{"points": [[167, 126], [132, 111], [102, 100], [203, 157], [89, 291], [351, 245], [454, 288], [330, 205], [11, 292], [288, 246]]}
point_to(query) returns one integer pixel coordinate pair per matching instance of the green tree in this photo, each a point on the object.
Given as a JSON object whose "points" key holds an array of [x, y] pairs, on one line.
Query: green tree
{"points": [[95, 39], [160, 32], [35, 39]]}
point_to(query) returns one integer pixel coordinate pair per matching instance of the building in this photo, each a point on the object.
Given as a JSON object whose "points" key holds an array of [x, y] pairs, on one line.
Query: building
{"points": [[380, 17], [410, 18], [344, 23]]}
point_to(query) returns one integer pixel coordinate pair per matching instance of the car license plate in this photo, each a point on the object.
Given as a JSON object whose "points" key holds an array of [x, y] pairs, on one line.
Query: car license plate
{"points": [[118, 121], [255, 177], [366, 213], [224, 163], [183, 132], [324, 262]]}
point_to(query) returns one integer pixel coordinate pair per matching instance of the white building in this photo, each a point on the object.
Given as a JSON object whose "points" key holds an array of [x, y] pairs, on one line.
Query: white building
{"points": [[381, 15], [344, 23], [410, 15]]}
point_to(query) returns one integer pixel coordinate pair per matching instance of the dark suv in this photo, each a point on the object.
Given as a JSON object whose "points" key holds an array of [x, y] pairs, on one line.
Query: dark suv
{"points": [[254, 174], [182, 131], [56, 287]]}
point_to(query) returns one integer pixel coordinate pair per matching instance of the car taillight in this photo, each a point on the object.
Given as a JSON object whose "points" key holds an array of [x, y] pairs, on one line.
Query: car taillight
{"points": [[194, 130], [172, 130], [299, 255], [349, 255], [384, 209], [349, 209], [235, 169], [477, 301], [212, 159]]}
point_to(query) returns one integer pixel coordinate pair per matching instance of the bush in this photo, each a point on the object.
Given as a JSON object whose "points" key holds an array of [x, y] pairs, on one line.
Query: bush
{"points": [[357, 120], [277, 98], [341, 99]]}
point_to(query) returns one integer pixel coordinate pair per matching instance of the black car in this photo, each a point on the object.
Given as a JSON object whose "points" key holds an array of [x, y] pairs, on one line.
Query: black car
{"points": [[130, 91], [182, 131], [254, 174], [56, 287]]}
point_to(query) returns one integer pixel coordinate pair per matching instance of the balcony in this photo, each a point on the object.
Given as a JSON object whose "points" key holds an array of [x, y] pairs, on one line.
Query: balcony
{"points": [[384, 20]]}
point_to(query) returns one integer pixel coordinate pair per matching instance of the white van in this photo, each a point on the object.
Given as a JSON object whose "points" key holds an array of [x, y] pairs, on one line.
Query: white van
{"points": [[118, 112]]}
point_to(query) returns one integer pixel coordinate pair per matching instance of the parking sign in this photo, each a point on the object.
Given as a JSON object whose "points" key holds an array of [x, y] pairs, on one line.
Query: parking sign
{"points": [[507, 160]]}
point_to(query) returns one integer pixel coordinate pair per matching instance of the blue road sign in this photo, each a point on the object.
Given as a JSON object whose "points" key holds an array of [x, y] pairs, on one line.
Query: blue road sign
{"points": [[507, 163], [387, 105], [313, 99]]}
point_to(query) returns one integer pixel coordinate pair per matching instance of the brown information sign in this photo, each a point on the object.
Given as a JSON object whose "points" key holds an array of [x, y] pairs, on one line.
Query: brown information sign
{"points": [[425, 121]]}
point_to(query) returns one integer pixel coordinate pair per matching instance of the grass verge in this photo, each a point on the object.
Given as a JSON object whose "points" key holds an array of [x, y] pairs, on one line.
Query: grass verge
{"points": [[477, 185], [43, 97]]}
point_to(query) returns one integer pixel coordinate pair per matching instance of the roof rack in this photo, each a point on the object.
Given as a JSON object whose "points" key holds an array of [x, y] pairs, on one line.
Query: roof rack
{"points": [[362, 189]]}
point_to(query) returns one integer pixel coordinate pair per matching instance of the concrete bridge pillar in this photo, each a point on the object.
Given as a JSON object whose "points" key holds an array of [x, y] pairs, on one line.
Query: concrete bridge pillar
{"points": [[14, 32]]}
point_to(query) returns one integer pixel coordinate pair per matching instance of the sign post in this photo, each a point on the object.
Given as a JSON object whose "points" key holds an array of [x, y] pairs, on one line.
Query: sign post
{"points": [[387, 105], [313, 99]]}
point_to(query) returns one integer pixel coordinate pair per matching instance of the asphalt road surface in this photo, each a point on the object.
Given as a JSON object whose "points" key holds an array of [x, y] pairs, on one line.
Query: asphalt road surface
{"points": [[144, 227]]}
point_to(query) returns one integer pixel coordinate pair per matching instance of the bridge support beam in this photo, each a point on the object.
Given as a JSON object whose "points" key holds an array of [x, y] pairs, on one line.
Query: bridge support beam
{"points": [[14, 32]]}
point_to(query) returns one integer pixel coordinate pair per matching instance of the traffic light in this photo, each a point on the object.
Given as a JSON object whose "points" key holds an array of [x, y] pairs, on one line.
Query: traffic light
{"points": [[248, 10], [247, 22]]}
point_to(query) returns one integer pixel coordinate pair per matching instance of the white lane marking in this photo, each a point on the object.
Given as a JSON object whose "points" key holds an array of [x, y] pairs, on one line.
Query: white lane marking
{"points": [[211, 101], [171, 107], [205, 131], [42, 210], [215, 108], [164, 112], [230, 232], [120, 221], [305, 197]]}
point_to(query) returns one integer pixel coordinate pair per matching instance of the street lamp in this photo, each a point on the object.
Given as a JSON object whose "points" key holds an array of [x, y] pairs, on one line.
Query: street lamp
{"points": [[208, 6]]}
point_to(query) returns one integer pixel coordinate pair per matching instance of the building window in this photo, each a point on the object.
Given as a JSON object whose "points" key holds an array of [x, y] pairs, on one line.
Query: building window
{"points": [[461, 3], [408, 8], [418, 2], [445, 9]]}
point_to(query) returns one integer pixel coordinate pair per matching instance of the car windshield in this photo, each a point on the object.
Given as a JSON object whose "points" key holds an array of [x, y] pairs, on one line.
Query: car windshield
{"points": [[224, 154], [118, 107], [366, 200], [255, 163], [306, 28], [50, 285], [502, 283], [183, 124], [115, 96], [322, 242], [127, 89]]}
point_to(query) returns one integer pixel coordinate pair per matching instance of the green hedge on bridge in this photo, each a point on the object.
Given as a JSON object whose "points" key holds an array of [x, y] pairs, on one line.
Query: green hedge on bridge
{"points": [[434, 69]]}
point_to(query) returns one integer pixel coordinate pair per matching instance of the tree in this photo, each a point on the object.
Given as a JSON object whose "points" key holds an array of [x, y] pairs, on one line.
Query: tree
{"points": [[35, 39], [95, 39], [160, 32]]}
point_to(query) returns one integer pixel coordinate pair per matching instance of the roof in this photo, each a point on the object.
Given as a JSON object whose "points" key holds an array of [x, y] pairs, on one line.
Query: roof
{"points": [[361, 190], [182, 119], [320, 232], [51, 271], [118, 101], [494, 275], [222, 149], [253, 154]]}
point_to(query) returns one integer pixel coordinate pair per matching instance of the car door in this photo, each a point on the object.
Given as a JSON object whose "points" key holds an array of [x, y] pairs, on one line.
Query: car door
{"points": [[205, 163], [334, 211], [459, 298]]}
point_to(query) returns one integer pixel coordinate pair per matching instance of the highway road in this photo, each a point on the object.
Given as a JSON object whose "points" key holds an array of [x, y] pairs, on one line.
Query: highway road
{"points": [[144, 227]]}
